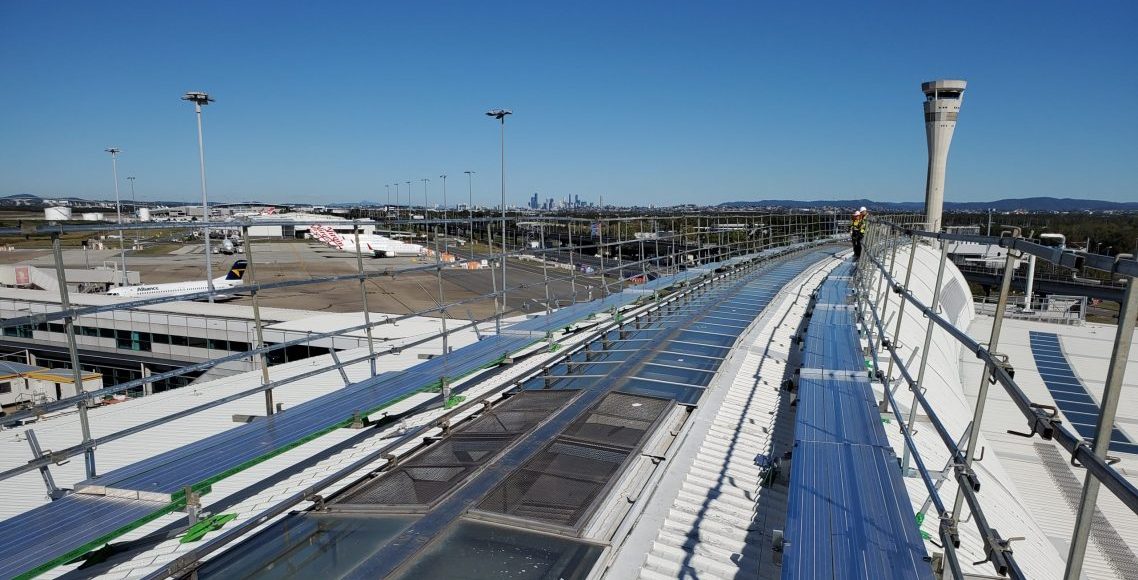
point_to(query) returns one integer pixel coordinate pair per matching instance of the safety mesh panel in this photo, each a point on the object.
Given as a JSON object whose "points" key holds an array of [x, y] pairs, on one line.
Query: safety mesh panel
{"points": [[433, 472], [430, 474], [619, 420], [557, 486], [519, 413], [561, 484]]}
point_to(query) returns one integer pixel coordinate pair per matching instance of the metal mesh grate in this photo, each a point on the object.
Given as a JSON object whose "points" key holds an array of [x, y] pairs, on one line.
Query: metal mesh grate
{"points": [[432, 473], [619, 419], [519, 413], [557, 486], [561, 484]]}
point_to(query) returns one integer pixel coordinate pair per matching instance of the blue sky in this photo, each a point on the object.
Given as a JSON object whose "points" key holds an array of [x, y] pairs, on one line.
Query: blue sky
{"points": [[641, 102]]}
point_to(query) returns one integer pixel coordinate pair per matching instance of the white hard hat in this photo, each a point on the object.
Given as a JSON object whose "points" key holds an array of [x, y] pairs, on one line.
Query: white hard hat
{"points": [[863, 210]]}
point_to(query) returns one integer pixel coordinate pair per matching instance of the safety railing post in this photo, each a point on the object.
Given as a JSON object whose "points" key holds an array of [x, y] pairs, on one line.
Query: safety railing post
{"points": [[601, 251], [572, 266], [1124, 336], [363, 295], [545, 269], [444, 381], [884, 296], [935, 304], [982, 393], [251, 275], [73, 352], [901, 308]]}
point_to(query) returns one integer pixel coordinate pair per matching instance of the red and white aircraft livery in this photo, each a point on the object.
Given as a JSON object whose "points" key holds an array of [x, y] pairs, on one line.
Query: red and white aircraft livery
{"points": [[377, 246]]}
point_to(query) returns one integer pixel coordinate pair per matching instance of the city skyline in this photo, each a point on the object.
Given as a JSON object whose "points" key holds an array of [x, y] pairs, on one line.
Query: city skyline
{"points": [[733, 102]]}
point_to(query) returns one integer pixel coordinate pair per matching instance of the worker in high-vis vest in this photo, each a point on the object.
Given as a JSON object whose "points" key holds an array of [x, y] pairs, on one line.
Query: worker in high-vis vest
{"points": [[857, 230]]}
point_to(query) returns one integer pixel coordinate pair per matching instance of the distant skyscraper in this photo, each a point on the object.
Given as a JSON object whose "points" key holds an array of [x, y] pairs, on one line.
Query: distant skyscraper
{"points": [[533, 202], [942, 105]]}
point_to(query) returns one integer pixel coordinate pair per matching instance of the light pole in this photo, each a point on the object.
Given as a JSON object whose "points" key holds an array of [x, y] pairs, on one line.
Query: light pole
{"points": [[133, 200], [426, 214], [199, 98], [396, 200], [134, 204], [408, 200], [470, 211], [444, 177], [500, 115], [388, 189], [114, 151]]}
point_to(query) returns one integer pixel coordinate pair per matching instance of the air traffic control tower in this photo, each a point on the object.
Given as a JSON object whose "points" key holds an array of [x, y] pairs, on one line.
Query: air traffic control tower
{"points": [[942, 105]]}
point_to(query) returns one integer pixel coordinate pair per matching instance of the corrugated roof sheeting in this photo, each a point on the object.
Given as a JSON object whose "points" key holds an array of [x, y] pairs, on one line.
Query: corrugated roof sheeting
{"points": [[710, 517]]}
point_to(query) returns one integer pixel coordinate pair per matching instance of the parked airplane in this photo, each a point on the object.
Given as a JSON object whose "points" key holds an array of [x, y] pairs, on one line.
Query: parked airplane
{"points": [[231, 279], [228, 247], [377, 246]]}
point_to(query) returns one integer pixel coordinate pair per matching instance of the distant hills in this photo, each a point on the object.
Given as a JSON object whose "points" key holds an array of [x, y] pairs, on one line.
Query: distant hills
{"points": [[1028, 204]]}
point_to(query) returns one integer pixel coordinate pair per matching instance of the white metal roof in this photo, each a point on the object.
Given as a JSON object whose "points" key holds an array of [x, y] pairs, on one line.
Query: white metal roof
{"points": [[249, 508], [1040, 469], [710, 516], [215, 310], [62, 430]]}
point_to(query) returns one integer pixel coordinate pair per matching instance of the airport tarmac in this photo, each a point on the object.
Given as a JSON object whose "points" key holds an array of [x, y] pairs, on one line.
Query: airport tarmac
{"points": [[289, 260]]}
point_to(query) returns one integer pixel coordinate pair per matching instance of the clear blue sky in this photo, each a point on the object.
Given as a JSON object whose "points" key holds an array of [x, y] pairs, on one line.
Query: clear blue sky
{"points": [[651, 102]]}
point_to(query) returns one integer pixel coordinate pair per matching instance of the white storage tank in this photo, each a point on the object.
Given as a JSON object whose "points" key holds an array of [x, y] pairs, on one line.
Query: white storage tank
{"points": [[143, 214], [57, 214]]}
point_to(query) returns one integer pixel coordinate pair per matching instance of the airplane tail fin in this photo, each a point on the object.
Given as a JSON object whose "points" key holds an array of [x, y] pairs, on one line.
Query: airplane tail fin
{"points": [[236, 271]]}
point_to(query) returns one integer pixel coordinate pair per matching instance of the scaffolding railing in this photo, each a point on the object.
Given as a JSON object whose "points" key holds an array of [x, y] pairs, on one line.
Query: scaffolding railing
{"points": [[1056, 309], [625, 260], [885, 238]]}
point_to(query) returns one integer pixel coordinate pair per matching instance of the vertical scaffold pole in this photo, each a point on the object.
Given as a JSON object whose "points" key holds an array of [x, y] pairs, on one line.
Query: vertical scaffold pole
{"points": [[444, 381], [935, 304], [73, 351], [363, 296], [601, 251], [901, 308], [982, 393], [545, 269], [572, 266], [1123, 338], [251, 274], [884, 296]]}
